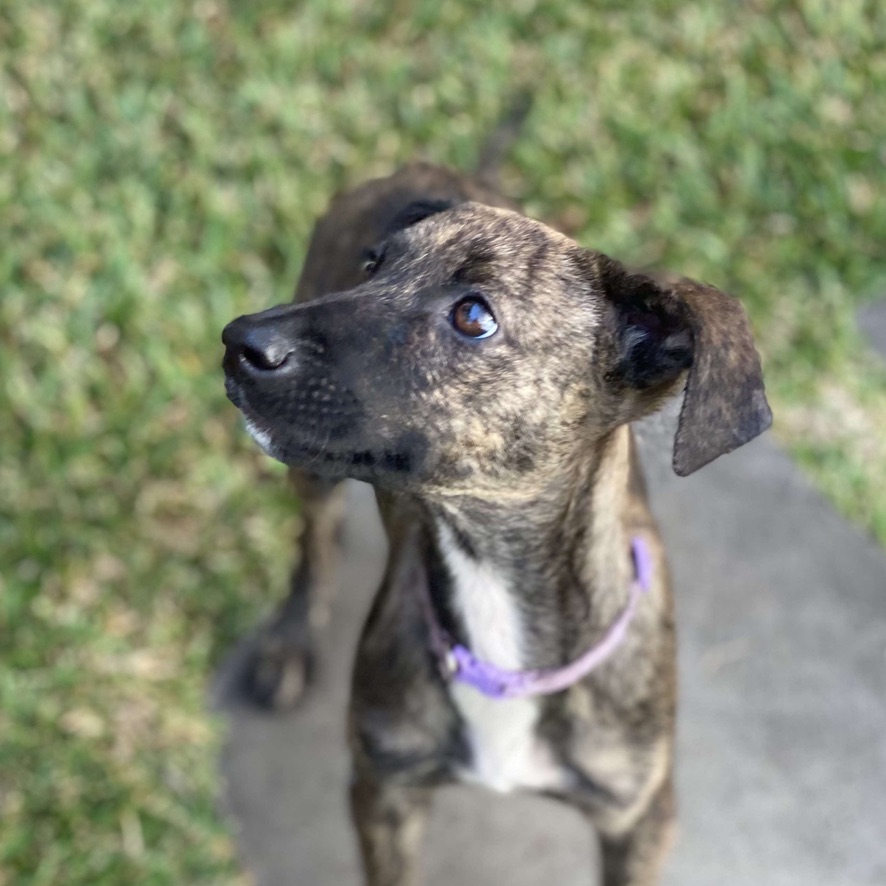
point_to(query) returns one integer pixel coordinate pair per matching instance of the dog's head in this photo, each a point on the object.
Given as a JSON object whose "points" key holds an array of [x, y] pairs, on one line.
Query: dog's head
{"points": [[482, 351]]}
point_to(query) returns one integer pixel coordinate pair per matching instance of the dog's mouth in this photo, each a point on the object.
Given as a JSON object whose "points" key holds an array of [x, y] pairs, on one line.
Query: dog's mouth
{"points": [[256, 427], [329, 450], [360, 464], [262, 437], [232, 389]]}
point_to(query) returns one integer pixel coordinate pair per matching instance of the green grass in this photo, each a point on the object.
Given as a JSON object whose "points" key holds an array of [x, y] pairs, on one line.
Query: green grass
{"points": [[160, 168]]}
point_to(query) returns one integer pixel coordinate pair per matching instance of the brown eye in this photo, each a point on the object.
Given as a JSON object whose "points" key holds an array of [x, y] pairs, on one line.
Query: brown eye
{"points": [[472, 318]]}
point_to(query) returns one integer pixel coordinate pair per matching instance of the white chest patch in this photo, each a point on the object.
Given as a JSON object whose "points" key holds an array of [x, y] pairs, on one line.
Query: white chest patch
{"points": [[507, 753]]}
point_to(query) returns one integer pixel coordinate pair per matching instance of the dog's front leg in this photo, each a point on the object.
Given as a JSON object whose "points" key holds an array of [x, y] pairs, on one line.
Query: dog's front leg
{"points": [[390, 820], [282, 660], [635, 856]]}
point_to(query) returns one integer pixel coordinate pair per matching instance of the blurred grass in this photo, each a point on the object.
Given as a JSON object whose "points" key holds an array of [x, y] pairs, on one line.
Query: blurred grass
{"points": [[160, 168]]}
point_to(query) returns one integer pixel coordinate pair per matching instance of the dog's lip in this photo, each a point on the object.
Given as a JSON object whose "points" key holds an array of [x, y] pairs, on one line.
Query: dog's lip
{"points": [[237, 396], [294, 452], [262, 437], [290, 451], [234, 392]]}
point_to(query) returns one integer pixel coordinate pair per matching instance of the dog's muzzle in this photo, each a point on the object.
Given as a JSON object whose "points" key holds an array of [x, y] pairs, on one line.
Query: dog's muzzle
{"points": [[292, 371]]}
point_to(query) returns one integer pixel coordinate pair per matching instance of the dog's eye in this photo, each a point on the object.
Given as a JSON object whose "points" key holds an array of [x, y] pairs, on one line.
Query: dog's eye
{"points": [[472, 318], [372, 260]]}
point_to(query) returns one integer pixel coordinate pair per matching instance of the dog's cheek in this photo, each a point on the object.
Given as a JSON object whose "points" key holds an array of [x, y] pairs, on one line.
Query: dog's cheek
{"points": [[526, 444]]}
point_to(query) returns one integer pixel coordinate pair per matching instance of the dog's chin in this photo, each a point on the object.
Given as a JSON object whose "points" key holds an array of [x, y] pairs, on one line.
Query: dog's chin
{"points": [[299, 454], [263, 438], [332, 453], [383, 467]]}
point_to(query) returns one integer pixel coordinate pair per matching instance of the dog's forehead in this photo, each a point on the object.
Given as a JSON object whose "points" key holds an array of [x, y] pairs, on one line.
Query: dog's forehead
{"points": [[497, 233]]}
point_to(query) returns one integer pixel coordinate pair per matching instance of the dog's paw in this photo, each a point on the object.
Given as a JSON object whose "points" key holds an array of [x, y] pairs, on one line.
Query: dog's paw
{"points": [[279, 672]]}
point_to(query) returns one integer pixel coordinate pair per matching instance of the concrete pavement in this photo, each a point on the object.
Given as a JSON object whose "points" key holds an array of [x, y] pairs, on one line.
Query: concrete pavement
{"points": [[782, 721], [872, 322]]}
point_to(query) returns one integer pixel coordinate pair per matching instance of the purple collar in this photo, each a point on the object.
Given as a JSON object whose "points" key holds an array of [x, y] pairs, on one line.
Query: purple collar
{"points": [[457, 662]]}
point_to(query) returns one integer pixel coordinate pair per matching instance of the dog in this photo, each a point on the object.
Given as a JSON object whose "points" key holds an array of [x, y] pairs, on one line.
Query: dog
{"points": [[481, 371]]}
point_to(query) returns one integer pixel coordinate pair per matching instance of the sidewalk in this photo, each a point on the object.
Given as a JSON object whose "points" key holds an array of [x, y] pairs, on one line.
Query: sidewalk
{"points": [[781, 612]]}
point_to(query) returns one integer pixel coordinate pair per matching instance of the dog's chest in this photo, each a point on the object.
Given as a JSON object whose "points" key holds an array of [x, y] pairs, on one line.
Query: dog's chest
{"points": [[507, 753]]}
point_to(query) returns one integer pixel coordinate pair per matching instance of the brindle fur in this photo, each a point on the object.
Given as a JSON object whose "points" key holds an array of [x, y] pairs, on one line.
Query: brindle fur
{"points": [[517, 447]]}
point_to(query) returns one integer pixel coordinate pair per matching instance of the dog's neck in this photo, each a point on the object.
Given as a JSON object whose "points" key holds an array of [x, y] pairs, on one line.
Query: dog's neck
{"points": [[532, 583]]}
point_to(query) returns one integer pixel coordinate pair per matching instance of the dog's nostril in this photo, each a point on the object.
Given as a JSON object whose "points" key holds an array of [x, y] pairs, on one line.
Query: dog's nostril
{"points": [[258, 344], [267, 358]]}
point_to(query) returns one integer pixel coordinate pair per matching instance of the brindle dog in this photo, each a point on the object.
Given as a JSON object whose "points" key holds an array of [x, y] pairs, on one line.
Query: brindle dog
{"points": [[480, 370]]}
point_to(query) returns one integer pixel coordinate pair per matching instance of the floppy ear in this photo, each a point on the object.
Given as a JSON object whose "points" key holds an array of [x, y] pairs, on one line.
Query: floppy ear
{"points": [[664, 329]]}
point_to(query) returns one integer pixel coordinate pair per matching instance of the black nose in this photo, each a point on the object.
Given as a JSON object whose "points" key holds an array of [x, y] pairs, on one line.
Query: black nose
{"points": [[258, 345]]}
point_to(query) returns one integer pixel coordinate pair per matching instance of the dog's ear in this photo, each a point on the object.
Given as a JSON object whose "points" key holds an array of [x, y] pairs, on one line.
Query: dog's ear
{"points": [[663, 329], [416, 211]]}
